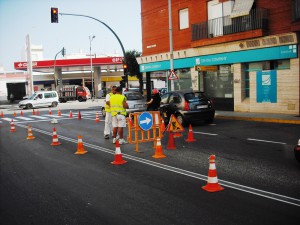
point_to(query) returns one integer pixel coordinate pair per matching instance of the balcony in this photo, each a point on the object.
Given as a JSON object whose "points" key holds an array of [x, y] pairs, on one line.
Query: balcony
{"points": [[257, 19]]}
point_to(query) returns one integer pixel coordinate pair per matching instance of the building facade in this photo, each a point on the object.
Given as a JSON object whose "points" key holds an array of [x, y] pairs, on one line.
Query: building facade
{"points": [[242, 53]]}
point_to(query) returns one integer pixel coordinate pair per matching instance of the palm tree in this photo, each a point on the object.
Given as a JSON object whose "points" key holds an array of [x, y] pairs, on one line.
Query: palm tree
{"points": [[133, 66]]}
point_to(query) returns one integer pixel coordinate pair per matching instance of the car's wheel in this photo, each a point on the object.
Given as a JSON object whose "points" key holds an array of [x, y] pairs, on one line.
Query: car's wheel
{"points": [[210, 120], [103, 112], [80, 99], [54, 104], [180, 119], [29, 106]]}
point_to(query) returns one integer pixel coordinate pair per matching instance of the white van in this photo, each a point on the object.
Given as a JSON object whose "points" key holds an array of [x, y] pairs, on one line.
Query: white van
{"points": [[40, 99]]}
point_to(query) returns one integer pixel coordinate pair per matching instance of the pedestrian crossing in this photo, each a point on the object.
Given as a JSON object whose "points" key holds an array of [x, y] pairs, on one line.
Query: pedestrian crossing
{"points": [[47, 117]]}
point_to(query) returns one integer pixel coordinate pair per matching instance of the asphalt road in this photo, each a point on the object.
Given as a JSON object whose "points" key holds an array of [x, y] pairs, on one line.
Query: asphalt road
{"points": [[44, 184]]}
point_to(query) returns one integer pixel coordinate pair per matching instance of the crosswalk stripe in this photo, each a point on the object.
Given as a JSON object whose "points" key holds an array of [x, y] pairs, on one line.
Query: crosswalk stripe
{"points": [[40, 117], [23, 118], [9, 119]]}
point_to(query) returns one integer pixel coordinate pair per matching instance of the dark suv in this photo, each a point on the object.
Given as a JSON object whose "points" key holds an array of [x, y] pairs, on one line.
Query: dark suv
{"points": [[187, 106]]}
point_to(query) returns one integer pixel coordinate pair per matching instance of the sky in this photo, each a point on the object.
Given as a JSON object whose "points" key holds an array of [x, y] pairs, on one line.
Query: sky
{"points": [[18, 18]]}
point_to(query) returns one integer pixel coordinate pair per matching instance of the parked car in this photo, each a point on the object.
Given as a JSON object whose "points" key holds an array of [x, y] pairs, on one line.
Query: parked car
{"points": [[187, 106], [135, 100], [40, 99], [162, 90]]}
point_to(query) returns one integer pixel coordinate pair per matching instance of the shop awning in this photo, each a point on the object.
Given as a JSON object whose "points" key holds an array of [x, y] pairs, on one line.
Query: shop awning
{"points": [[241, 8]]}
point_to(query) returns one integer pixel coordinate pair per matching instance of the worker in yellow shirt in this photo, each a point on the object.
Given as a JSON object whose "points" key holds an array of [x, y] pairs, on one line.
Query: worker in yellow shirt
{"points": [[108, 120], [118, 106]]}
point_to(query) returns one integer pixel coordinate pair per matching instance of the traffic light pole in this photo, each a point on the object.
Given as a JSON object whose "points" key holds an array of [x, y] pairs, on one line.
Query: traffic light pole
{"points": [[123, 50], [54, 72]]}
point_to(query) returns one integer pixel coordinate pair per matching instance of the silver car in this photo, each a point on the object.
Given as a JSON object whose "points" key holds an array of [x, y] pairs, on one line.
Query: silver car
{"points": [[135, 100]]}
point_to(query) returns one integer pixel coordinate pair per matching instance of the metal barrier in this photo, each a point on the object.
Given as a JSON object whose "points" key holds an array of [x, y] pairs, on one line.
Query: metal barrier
{"points": [[137, 135]]}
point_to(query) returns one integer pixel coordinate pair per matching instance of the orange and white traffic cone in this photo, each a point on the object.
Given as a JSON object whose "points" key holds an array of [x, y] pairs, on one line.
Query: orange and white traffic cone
{"points": [[55, 141], [59, 112], [12, 126], [15, 114], [171, 143], [162, 126], [118, 155], [30, 135], [158, 150], [21, 113], [79, 115], [2, 114], [50, 112], [97, 118], [80, 148], [212, 180], [71, 114], [190, 135]]}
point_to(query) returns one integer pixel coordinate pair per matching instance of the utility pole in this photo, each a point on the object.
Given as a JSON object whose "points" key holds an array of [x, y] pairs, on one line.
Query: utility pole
{"points": [[171, 42]]}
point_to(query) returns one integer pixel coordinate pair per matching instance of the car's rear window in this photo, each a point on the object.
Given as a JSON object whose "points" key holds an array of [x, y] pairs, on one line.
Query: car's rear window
{"points": [[134, 96], [194, 96]]}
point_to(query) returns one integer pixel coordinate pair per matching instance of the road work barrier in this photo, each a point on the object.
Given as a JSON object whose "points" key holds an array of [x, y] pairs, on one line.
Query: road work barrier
{"points": [[146, 127]]}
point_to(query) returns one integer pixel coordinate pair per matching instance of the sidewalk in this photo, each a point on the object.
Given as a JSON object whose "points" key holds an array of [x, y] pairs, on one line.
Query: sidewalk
{"points": [[260, 117]]}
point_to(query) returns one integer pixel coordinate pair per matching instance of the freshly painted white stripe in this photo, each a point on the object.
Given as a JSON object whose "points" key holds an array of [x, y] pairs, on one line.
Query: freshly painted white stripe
{"points": [[254, 191], [275, 142], [54, 116], [205, 133], [23, 118]]}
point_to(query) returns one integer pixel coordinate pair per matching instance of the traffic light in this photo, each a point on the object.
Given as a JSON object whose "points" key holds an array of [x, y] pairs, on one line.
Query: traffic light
{"points": [[125, 69], [63, 52], [54, 15]]}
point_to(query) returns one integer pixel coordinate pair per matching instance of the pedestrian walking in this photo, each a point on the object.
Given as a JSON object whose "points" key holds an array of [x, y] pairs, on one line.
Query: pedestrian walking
{"points": [[118, 107], [108, 129]]}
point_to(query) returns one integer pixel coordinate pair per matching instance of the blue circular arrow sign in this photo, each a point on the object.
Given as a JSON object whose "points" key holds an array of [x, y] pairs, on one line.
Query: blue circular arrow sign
{"points": [[145, 121]]}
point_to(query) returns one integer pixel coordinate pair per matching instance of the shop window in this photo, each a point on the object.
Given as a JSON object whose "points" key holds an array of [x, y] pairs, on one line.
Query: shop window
{"points": [[184, 81], [183, 19]]}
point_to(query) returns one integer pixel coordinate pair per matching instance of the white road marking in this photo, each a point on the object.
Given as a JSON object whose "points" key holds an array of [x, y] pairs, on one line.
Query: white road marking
{"points": [[205, 133], [23, 118], [274, 142], [254, 191]]}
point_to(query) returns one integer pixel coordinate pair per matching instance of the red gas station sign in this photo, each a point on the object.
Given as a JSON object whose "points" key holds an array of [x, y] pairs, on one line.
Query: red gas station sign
{"points": [[69, 63]]}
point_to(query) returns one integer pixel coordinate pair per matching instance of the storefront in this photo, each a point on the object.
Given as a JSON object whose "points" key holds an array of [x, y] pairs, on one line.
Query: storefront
{"points": [[256, 80]]}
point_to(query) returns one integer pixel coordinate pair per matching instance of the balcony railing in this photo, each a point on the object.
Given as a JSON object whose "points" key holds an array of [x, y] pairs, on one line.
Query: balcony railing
{"points": [[296, 10], [257, 19]]}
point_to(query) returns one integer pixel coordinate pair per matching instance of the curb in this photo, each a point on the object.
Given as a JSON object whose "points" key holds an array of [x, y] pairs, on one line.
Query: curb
{"points": [[266, 120]]}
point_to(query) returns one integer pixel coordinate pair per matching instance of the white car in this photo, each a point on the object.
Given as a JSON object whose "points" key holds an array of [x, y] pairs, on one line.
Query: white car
{"points": [[40, 99]]}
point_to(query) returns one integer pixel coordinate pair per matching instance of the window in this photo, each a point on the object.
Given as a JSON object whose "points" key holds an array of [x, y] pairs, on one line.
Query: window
{"points": [[183, 19], [164, 99]]}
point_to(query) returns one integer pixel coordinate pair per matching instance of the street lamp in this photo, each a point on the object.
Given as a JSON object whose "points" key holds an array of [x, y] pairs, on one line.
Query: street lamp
{"points": [[92, 74]]}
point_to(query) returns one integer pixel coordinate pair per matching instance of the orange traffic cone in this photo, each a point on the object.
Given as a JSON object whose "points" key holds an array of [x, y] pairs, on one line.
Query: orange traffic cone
{"points": [[30, 136], [190, 135], [12, 126], [15, 114], [55, 141], [171, 143], [21, 113], [212, 180], [118, 155], [162, 126], [59, 112], [49, 112], [2, 114], [97, 118], [71, 114], [158, 150], [33, 112], [177, 134], [80, 148], [38, 112], [79, 115]]}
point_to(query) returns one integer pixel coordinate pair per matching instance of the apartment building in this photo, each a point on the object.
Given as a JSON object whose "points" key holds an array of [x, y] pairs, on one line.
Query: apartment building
{"points": [[242, 53]]}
